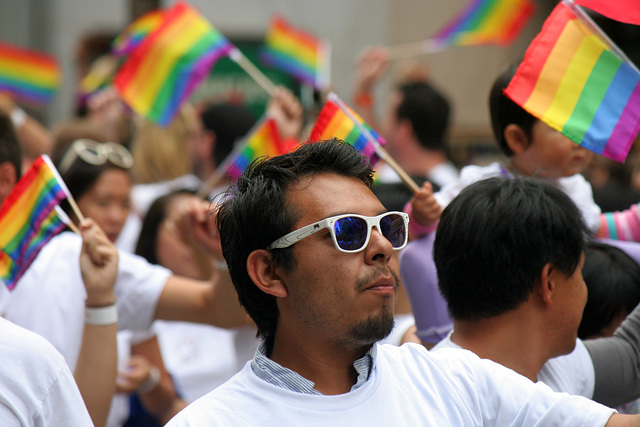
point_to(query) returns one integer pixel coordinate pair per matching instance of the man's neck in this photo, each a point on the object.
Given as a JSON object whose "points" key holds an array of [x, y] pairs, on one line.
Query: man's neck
{"points": [[329, 366], [417, 161], [509, 339]]}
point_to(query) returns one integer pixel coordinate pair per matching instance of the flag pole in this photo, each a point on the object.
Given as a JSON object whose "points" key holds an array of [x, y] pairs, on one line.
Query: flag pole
{"points": [[72, 201], [590, 23], [409, 50], [253, 71], [65, 218], [380, 151]]}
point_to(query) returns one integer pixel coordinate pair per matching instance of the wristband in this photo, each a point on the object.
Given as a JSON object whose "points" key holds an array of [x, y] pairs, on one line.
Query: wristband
{"points": [[363, 99], [101, 316], [18, 117], [151, 382], [221, 265]]}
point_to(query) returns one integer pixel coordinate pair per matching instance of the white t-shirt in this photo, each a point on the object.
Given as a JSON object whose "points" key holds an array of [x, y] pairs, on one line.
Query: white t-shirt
{"points": [[202, 357], [409, 386], [49, 298], [571, 373], [36, 385], [575, 186]]}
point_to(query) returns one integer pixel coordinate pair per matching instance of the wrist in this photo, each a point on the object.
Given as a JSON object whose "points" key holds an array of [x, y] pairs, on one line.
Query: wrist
{"points": [[151, 382], [101, 316], [99, 301]]}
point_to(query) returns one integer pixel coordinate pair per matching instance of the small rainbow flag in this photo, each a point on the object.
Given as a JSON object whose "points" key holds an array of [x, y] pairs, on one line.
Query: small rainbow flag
{"points": [[296, 52], [337, 120], [100, 75], [621, 10], [28, 219], [486, 22], [570, 80], [28, 75], [135, 32], [161, 73], [263, 140]]}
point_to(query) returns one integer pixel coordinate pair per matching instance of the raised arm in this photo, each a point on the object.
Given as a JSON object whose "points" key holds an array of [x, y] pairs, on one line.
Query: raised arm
{"points": [[96, 369]]}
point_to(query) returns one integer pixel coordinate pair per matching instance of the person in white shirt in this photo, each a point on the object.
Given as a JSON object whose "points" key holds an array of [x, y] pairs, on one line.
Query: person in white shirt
{"points": [[313, 256]]}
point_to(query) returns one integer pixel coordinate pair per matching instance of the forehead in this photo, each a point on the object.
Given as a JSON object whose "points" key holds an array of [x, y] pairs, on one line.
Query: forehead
{"points": [[319, 196]]}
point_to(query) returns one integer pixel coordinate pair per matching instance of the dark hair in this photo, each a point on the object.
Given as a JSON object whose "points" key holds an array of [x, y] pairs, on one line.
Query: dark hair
{"points": [[230, 122], [147, 246], [428, 111], [255, 213], [494, 239], [505, 112], [9, 145], [613, 281]]}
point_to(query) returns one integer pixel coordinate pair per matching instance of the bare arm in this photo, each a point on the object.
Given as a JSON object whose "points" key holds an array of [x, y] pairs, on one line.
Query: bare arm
{"points": [[96, 369], [371, 66], [618, 420]]}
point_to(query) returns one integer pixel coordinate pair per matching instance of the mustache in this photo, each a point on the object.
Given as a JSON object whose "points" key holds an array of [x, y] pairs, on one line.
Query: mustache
{"points": [[366, 281]]}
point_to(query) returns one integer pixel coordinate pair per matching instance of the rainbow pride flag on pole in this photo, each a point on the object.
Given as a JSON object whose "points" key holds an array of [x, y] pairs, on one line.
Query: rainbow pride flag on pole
{"points": [[136, 32], [263, 140], [337, 120], [486, 22], [297, 53], [574, 83], [28, 75], [28, 219], [161, 73]]}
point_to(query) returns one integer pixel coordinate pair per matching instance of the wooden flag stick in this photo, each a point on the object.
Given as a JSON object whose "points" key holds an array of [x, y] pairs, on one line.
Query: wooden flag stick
{"points": [[410, 50], [65, 218], [72, 201], [253, 71]]}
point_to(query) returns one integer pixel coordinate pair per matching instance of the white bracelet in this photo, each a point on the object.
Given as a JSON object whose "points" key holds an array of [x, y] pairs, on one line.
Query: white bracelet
{"points": [[101, 316], [221, 265], [151, 382], [18, 117]]}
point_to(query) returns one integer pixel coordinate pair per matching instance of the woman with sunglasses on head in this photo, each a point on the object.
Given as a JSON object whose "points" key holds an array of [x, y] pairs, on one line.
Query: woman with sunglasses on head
{"points": [[97, 176]]}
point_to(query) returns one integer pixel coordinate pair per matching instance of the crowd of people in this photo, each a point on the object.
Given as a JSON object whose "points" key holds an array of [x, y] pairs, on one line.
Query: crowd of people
{"points": [[306, 292]]}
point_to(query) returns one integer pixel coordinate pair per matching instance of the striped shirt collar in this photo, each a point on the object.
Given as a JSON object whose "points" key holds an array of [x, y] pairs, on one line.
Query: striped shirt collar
{"points": [[278, 375]]}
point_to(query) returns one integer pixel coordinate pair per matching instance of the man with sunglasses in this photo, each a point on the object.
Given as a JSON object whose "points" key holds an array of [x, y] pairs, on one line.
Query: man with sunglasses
{"points": [[313, 256]]}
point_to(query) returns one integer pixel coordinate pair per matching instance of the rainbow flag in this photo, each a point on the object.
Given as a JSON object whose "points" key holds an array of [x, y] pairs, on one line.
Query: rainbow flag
{"points": [[28, 219], [263, 140], [486, 22], [135, 32], [570, 80], [28, 75], [337, 120], [161, 73], [621, 10], [297, 53], [100, 75]]}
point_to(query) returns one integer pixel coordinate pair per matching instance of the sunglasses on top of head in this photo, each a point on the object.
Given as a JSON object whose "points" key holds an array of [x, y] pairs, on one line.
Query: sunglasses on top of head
{"points": [[351, 232]]}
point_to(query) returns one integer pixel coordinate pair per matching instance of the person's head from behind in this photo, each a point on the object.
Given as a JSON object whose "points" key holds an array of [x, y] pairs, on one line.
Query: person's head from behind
{"points": [[161, 153], [159, 242], [417, 110], [97, 175], [533, 148], [307, 280], [10, 157], [613, 281], [502, 240], [226, 122]]}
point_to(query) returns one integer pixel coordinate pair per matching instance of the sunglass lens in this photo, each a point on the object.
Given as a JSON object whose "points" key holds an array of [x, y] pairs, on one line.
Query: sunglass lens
{"points": [[393, 228], [351, 232]]}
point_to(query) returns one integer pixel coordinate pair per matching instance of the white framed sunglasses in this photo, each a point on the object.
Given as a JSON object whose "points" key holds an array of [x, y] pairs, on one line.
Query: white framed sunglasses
{"points": [[96, 153], [351, 232]]}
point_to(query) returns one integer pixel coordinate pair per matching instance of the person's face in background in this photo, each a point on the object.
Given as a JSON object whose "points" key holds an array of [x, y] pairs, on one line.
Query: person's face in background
{"points": [[108, 201], [171, 251]]}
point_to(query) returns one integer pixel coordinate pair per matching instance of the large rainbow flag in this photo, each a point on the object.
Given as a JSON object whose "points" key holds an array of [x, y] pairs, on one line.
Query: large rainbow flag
{"points": [[621, 10], [161, 73], [297, 53], [486, 22], [337, 120], [28, 75], [136, 32], [28, 219], [263, 140], [570, 80]]}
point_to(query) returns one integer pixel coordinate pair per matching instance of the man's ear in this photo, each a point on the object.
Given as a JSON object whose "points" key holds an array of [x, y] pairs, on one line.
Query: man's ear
{"points": [[516, 138], [8, 179], [264, 275], [547, 286], [208, 144]]}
